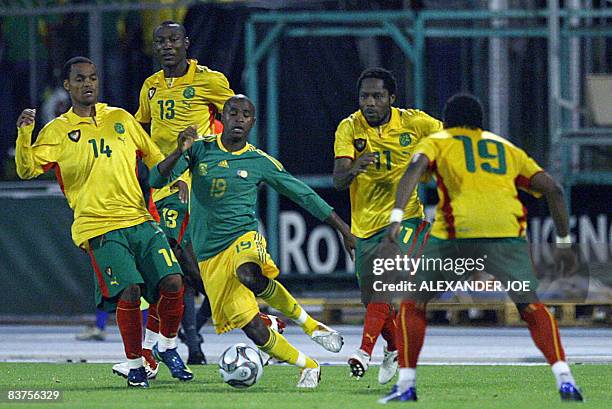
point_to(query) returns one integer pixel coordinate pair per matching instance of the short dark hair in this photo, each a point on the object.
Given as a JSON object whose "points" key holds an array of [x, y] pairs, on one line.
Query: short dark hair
{"points": [[74, 60], [463, 110], [166, 23], [389, 82]]}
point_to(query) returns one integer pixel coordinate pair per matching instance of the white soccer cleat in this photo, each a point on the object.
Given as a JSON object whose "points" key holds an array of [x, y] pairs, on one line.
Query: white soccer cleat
{"points": [[328, 338], [388, 368], [122, 369], [265, 357], [310, 377], [359, 363]]}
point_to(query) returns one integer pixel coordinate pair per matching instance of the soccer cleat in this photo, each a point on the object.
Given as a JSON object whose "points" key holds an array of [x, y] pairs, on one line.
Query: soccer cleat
{"points": [[137, 378], [196, 358], [388, 368], [91, 333], [310, 377], [359, 362], [396, 396], [273, 322], [570, 392], [123, 369], [173, 361], [265, 357], [328, 338]]}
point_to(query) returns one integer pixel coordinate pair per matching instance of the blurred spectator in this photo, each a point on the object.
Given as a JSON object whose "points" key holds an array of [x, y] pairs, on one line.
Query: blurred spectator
{"points": [[56, 102]]}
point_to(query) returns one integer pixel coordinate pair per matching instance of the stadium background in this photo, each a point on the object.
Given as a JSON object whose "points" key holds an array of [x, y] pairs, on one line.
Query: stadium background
{"points": [[304, 81]]}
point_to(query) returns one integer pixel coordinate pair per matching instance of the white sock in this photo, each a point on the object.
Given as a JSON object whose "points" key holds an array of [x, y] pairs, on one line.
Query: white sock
{"points": [[562, 373], [164, 343], [406, 380], [135, 363], [151, 339], [301, 320]]}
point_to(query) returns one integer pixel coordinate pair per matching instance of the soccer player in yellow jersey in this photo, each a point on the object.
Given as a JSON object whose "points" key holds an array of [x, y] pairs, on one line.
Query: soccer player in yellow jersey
{"points": [[372, 148], [479, 216], [93, 149], [181, 94]]}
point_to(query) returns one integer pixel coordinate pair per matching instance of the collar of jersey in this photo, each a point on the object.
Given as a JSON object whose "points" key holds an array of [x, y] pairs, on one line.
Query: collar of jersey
{"points": [[240, 152], [74, 119], [185, 79], [395, 121]]}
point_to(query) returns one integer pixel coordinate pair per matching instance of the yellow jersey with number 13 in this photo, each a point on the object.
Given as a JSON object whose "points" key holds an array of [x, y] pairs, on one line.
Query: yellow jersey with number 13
{"points": [[172, 104]]}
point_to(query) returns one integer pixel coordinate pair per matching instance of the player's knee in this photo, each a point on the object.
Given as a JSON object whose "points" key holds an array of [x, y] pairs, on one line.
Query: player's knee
{"points": [[257, 331], [131, 293], [171, 283], [250, 276]]}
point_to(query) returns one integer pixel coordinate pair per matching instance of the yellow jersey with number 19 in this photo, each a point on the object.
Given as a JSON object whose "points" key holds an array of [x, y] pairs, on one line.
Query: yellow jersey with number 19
{"points": [[95, 164], [477, 174], [373, 193], [172, 104]]}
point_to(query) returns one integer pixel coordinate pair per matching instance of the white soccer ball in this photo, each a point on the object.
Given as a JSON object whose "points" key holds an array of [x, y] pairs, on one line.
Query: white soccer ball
{"points": [[240, 366]]}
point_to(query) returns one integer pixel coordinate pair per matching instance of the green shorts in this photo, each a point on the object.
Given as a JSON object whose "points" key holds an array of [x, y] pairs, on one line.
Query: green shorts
{"points": [[411, 239], [506, 259], [174, 217], [135, 255]]}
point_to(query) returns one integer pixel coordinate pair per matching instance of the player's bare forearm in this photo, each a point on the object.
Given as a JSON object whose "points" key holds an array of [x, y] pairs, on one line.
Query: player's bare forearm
{"points": [[343, 175], [553, 192], [337, 223], [350, 242], [346, 169], [410, 179], [165, 167]]}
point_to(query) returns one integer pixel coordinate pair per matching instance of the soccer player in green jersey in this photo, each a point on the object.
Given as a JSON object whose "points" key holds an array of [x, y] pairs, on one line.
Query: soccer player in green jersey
{"points": [[232, 256]]}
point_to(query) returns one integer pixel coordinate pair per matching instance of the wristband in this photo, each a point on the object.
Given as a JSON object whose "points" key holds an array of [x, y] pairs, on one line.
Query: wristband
{"points": [[397, 215], [565, 241]]}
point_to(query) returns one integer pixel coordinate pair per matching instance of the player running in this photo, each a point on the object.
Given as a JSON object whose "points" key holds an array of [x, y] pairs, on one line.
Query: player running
{"points": [[93, 149], [232, 255], [372, 148], [479, 213]]}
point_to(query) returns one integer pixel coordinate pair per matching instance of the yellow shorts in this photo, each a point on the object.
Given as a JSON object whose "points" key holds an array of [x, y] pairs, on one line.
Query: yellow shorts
{"points": [[233, 305]]}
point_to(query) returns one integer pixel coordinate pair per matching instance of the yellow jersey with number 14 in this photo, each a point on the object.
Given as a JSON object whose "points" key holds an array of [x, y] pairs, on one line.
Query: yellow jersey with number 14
{"points": [[95, 164], [172, 104], [373, 193], [477, 174]]}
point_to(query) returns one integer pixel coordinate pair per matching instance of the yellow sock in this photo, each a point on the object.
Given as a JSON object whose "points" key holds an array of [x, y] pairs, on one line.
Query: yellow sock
{"points": [[277, 296], [278, 347]]}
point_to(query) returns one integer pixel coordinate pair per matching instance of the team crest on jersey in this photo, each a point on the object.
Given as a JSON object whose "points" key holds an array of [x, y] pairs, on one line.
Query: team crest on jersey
{"points": [[359, 144], [119, 128], [74, 135], [202, 169], [189, 92], [405, 139], [152, 92], [243, 174]]}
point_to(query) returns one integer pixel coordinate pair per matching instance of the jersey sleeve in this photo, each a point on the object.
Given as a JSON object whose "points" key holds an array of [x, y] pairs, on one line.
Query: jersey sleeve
{"points": [[528, 168], [219, 91], [343, 142], [35, 159], [143, 115], [286, 184], [425, 125], [149, 152]]}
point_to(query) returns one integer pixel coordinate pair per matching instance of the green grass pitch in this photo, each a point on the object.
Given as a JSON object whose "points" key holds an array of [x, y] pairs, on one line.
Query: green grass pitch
{"points": [[515, 387]]}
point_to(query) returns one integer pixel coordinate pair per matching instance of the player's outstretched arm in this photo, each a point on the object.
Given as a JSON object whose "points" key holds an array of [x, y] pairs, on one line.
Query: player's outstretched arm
{"points": [[566, 261], [348, 238], [162, 173], [346, 169]]}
